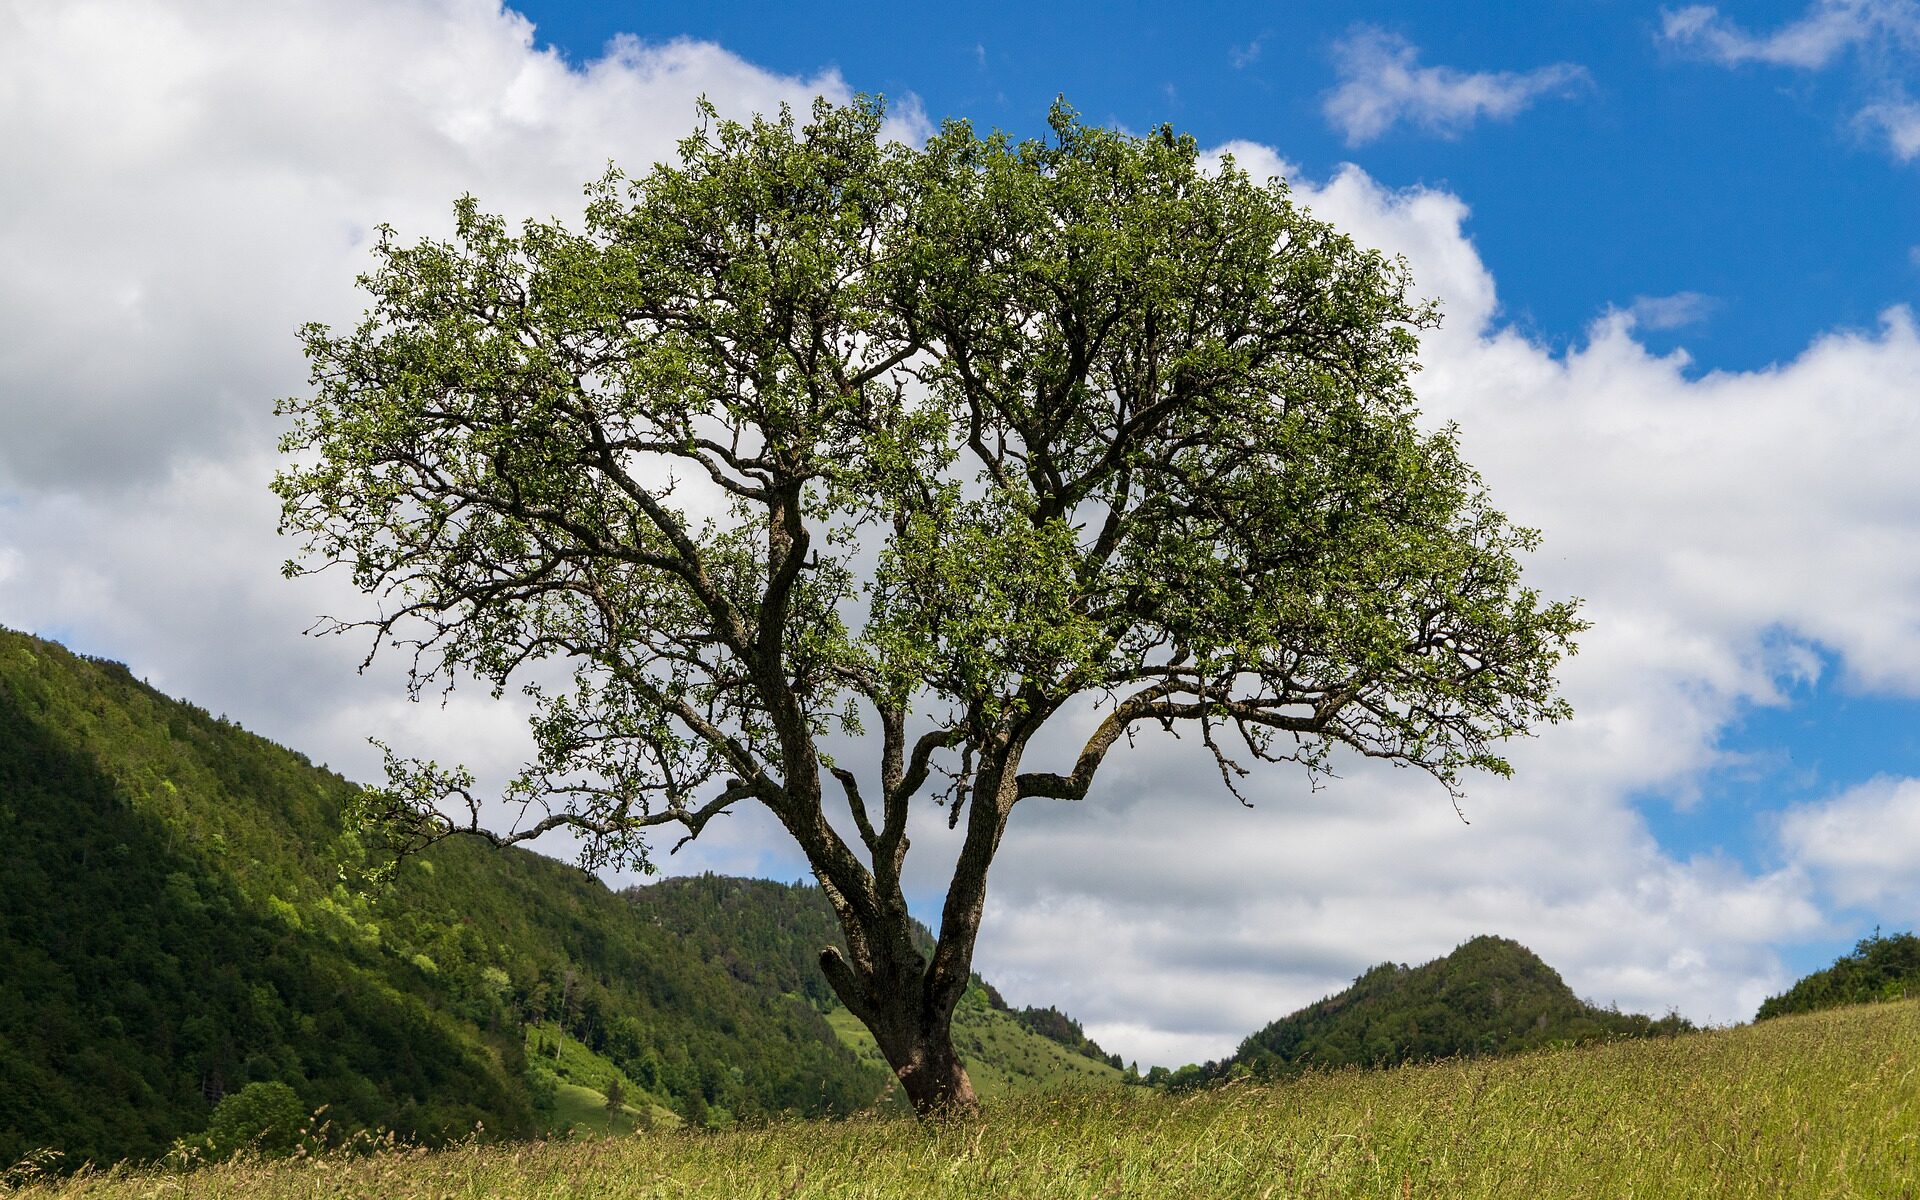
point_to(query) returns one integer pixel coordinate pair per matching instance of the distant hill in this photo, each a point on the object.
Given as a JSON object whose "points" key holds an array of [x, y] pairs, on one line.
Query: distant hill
{"points": [[176, 922], [1879, 968], [1490, 996]]}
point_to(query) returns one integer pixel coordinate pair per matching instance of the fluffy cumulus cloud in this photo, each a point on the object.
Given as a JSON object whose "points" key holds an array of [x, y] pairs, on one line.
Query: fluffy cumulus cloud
{"points": [[1863, 845], [187, 183], [1897, 121], [1383, 84]]}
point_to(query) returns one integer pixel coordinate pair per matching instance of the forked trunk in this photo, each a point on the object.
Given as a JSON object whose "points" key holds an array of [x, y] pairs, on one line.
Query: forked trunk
{"points": [[914, 1030], [906, 999]]}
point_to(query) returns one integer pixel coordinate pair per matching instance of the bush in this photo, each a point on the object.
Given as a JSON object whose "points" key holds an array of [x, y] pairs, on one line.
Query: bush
{"points": [[267, 1118]]}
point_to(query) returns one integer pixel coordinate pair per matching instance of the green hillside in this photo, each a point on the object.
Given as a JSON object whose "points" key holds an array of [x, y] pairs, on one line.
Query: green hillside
{"points": [[1879, 968], [177, 923], [1490, 996], [1006, 1051]]}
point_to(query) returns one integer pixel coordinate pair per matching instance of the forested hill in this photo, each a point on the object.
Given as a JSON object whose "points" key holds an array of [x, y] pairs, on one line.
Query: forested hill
{"points": [[1879, 968], [768, 936], [175, 923], [1490, 996]]}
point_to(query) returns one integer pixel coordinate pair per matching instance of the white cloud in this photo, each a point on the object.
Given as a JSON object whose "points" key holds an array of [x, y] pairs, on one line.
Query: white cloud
{"points": [[187, 182], [1828, 29], [1884, 33], [1898, 121], [1677, 311], [1863, 845], [1382, 84]]}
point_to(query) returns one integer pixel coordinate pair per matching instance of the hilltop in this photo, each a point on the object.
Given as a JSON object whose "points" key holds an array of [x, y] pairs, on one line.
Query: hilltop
{"points": [[1490, 996], [184, 915], [1879, 968]]}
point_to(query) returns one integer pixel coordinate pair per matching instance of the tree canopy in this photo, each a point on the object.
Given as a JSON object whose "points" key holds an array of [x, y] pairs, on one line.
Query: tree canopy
{"points": [[815, 434]]}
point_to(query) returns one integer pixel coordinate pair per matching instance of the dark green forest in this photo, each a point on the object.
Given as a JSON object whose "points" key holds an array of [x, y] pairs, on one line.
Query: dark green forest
{"points": [[1490, 996], [781, 954], [184, 915], [1879, 968]]}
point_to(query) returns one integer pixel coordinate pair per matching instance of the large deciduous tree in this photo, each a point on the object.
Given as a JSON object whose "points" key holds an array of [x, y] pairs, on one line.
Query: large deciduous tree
{"points": [[815, 439]]}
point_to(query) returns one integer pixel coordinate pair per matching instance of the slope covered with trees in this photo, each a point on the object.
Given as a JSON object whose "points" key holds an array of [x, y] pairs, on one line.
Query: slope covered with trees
{"points": [[768, 936], [183, 916], [1490, 996], [1879, 968]]}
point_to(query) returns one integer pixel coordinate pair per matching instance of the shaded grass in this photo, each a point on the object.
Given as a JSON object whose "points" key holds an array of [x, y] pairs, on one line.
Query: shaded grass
{"points": [[1815, 1106]]}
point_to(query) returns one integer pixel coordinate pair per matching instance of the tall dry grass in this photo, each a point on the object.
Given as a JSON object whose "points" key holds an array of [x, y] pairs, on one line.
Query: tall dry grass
{"points": [[1819, 1106]]}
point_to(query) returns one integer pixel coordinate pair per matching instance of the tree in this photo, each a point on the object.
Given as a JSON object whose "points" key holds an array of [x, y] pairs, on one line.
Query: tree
{"points": [[263, 1117], [812, 435]]}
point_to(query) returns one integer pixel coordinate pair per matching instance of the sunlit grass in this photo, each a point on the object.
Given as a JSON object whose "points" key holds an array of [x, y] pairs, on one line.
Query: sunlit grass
{"points": [[1823, 1105]]}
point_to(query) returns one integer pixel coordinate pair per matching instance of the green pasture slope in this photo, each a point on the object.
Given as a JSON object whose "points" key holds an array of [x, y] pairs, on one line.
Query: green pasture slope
{"points": [[1003, 1059], [1821, 1105]]}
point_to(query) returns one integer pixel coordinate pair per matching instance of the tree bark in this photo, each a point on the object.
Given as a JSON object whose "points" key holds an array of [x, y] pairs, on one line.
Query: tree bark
{"points": [[913, 1026], [935, 1079]]}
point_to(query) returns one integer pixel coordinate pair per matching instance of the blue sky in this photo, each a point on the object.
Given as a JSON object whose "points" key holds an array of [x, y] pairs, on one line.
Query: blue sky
{"points": [[1676, 246], [1660, 172]]}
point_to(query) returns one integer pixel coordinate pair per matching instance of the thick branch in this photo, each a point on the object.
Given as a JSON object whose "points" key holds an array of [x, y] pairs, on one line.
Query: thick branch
{"points": [[1109, 731]]}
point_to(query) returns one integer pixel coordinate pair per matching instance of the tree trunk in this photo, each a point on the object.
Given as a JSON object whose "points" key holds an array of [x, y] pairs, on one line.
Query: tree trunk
{"points": [[935, 1079], [914, 1031], [905, 999]]}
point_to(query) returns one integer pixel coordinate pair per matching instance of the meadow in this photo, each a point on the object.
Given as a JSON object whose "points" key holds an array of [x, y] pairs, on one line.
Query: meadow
{"points": [[1823, 1105]]}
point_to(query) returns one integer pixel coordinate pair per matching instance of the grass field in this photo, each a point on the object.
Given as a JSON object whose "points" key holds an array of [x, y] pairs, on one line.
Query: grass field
{"points": [[1816, 1106]]}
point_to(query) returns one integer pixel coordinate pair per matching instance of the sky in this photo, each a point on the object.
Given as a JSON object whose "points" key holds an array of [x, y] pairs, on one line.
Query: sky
{"points": [[1678, 249]]}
